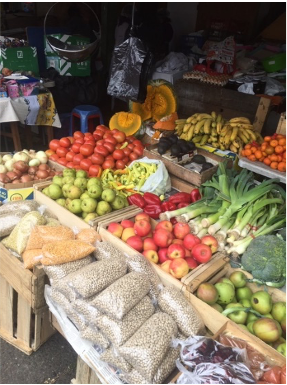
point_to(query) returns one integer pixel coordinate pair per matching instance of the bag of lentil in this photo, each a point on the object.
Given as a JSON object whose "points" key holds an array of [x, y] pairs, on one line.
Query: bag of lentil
{"points": [[40, 235], [112, 357], [31, 258], [88, 235], [58, 252], [122, 295]]}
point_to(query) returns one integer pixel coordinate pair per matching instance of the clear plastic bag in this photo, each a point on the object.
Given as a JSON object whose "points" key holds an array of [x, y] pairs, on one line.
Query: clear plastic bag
{"points": [[91, 333], [121, 296], [88, 311], [88, 235], [112, 357], [174, 303], [31, 258], [8, 221], [106, 250], [147, 348], [24, 206], [40, 235], [118, 332]]}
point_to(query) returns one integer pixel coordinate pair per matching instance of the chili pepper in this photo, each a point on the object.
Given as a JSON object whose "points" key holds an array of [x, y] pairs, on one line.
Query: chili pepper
{"points": [[168, 206], [151, 199], [182, 204], [180, 197], [153, 211], [136, 199], [195, 195]]}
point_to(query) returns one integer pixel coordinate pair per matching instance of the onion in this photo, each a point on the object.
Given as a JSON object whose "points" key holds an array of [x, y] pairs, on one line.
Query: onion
{"points": [[21, 166], [12, 175], [9, 164], [4, 178], [42, 174], [34, 162], [7, 157], [20, 155], [26, 178], [52, 173], [32, 154], [32, 170], [1, 159], [3, 169], [42, 156], [16, 181], [44, 166]]}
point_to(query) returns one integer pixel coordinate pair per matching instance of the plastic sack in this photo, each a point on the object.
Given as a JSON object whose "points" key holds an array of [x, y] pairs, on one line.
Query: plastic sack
{"points": [[246, 88], [106, 250], [91, 333], [174, 303], [58, 252], [8, 221], [40, 235], [118, 332], [88, 235], [273, 86], [147, 348], [122, 295], [31, 258], [131, 62], [112, 357], [19, 206], [87, 310], [159, 182]]}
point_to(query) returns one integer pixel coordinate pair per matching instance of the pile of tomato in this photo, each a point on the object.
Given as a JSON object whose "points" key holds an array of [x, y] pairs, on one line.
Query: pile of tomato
{"points": [[96, 151], [272, 152]]}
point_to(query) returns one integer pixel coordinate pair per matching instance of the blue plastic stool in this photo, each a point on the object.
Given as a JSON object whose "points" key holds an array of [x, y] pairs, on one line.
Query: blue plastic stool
{"points": [[86, 114]]}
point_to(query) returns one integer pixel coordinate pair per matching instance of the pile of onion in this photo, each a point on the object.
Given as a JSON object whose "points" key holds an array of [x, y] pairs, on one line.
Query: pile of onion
{"points": [[22, 173]]}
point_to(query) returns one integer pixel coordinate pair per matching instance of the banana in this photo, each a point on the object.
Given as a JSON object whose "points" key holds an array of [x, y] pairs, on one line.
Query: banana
{"points": [[213, 131], [240, 119], [222, 147], [235, 143], [247, 126], [198, 126], [180, 121], [204, 140], [233, 148], [197, 138], [186, 127], [215, 144], [219, 118], [183, 136], [251, 135], [234, 133], [242, 135], [224, 130], [213, 114], [213, 124], [178, 130], [206, 126], [190, 118], [190, 132], [203, 116], [227, 137], [214, 139], [218, 127]]}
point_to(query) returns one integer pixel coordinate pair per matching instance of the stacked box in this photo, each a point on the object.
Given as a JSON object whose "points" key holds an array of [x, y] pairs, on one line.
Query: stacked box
{"points": [[20, 59]]}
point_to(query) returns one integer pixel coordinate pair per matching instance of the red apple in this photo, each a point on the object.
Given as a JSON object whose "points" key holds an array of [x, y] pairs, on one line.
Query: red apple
{"points": [[180, 230], [190, 240], [140, 216], [127, 232], [210, 241], [151, 255], [187, 253], [135, 242], [165, 265], [178, 268], [192, 264], [162, 238], [178, 241], [167, 225], [162, 255], [148, 244], [127, 223], [201, 253], [142, 227], [116, 229], [175, 251]]}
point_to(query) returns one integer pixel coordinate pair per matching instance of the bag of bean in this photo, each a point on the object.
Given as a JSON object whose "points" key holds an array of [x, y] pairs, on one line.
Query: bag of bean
{"points": [[106, 250], [91, 333], [112, 357]]}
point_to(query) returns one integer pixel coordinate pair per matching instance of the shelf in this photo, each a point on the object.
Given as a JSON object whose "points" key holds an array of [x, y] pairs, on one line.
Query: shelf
{"points": [[262, 169]]}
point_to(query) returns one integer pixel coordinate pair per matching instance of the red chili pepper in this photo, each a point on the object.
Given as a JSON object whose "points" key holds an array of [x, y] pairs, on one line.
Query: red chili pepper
{"points": [[151, 199], [136, 199], [182, 204], [180, 197], [153, 211], [168, 206], [195, 195]]}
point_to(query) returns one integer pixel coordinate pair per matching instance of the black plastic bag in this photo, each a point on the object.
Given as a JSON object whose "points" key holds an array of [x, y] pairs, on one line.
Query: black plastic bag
{"points": [[130, 68]]}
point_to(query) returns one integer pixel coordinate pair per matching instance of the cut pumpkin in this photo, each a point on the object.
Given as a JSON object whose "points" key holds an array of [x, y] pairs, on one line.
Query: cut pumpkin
{"points": [[127, 122], [143, 109], [166, 123]]}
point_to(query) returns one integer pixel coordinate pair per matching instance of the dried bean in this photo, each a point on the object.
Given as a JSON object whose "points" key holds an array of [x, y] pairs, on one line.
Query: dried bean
{"points": [[88, 235], [84, 307], [91, 333], [118, 332], [106, 250], [19, 206], [146, 349], [121, 296], [174, 303], [8, 221], [112, 357]]}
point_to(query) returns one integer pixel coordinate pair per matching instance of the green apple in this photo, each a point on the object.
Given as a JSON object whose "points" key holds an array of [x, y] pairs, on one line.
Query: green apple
{"points": [[279, 311], [226, 280], [118, 203], [81, 174], [108, 195], [94, 180], [103, 207], [245, 302], [238, 317], [81, 182], [85, 195], [69, 172], [261, 301], [61, 201], [243, 293], [66, 188], [68, 180], [282, 349], [75, 206], [74, 192], [67, 202], [45, 191], [58, 180], [89, 217], [95, 191], [89, 205], [238, 279], [55, 191]]}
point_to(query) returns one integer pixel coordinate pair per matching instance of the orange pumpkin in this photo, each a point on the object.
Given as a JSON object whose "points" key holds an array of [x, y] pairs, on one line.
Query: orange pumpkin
{"points": [[166, 123]]}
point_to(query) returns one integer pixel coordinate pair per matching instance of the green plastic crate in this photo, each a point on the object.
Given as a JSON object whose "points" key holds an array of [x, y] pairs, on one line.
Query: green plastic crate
{"points": [[275, 63]]}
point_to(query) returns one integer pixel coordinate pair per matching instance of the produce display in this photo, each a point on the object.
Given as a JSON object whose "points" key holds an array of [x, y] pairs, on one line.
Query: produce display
{"points": [[271, 152], [254, 311]]}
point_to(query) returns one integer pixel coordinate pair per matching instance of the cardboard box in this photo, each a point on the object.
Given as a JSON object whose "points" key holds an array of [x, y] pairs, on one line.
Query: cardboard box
{"points": [[68, 39], [20, 59]]}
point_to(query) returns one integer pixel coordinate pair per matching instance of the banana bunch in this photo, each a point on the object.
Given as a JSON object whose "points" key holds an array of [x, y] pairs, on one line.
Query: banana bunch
{"points": [[212, 129]]}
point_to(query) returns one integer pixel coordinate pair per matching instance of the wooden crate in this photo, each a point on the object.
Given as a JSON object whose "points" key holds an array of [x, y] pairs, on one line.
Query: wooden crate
{"points": [[24, 315], [182, 172], [281, 128]]}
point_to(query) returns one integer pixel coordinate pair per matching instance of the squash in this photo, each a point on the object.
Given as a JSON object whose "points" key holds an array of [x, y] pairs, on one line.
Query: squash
{"points": [[127, 122], [167, 123], [143, 109]]}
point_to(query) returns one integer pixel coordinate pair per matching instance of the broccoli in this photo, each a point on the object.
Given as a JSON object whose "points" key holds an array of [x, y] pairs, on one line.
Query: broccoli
{"points": [[265, 259]]}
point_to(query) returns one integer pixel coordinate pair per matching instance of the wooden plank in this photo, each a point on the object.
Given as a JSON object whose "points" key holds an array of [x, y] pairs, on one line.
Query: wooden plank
{"points": [[84, 374], [15, 136], [180, 184], [6, 306], [24, 316], [281, 128], [261, 113], [43, 329]]}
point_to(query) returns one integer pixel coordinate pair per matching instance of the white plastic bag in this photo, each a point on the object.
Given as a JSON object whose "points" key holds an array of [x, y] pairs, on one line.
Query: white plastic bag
{"points": [[159, 182]]}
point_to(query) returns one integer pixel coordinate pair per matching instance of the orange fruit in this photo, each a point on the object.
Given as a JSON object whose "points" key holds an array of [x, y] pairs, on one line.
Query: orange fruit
{"points": [[252, 157], [279, 149], [258, 154], [273, 158], [253, 149], [281, 166], [274, 165], [248, 152], [247, 146], [267, 161], [267, 138], [269, 150], [282, 142], [273, 142]]}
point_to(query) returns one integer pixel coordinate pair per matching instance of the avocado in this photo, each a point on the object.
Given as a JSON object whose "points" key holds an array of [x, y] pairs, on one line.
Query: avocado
{"points": [[184, 148], [200, 159], [191, 146], [173, 138], [175, 150], [162, 148], [206, 166]]}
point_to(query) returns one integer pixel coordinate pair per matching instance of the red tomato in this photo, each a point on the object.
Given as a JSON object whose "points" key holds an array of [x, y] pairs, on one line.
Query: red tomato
{"points": [[130, 146], [54, 144], [137, 142], [133, 156], [54, 157], [94, 170], [80, 140], [118, 154], [65, 142], [76, 147], [109, 146], [70, 165], [97, 158], [62, 161], [126, 160], [70, 156], [101, 141], [119, 136], [130, 138], [98, 133], [108, 164], [85, 164], [71, 139], [77, 158], [109, 157], [99, 149], [88, 135], [102, 127], [138, 150], [62, 152], [96, 137], [86, 149], [78, 135], [77, 167], [49, 153], [127, 151], [120, 165], [110, 139]]}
